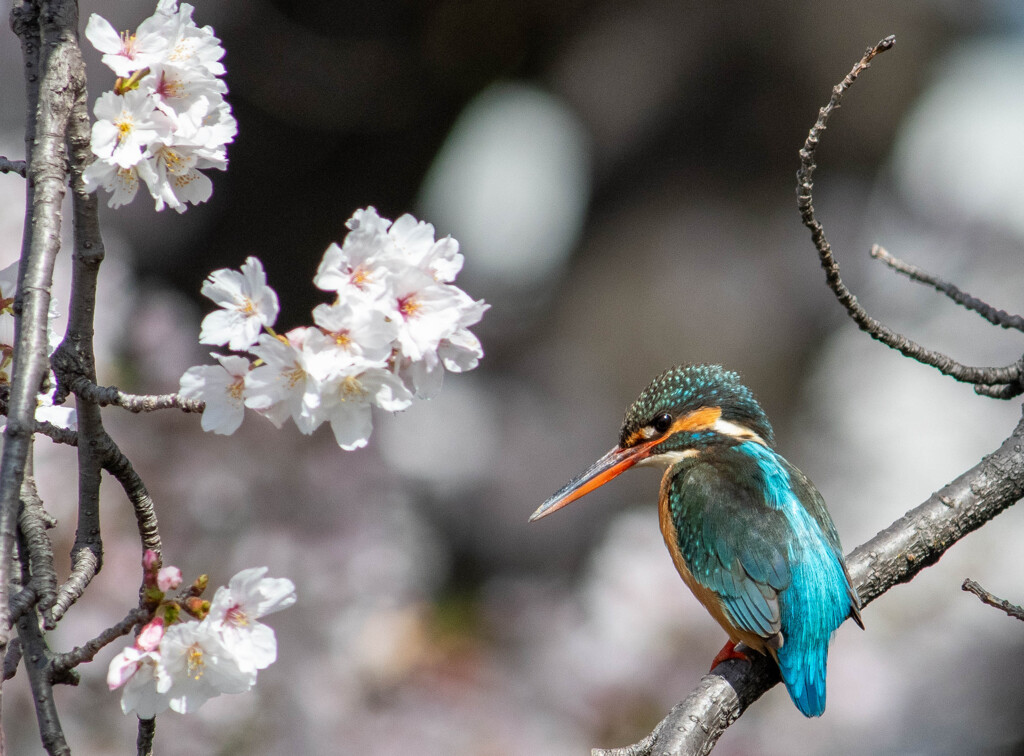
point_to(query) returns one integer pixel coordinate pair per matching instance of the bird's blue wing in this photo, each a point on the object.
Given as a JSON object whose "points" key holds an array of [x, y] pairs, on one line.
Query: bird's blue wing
{"points": [[732, 543]]}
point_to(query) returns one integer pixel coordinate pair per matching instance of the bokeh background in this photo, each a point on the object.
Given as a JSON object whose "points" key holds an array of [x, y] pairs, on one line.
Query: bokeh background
{"points": [[621, 179]]}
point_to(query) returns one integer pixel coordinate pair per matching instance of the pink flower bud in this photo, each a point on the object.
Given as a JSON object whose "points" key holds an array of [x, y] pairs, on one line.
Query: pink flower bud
{"points": [[168, 578], [150, 559], [122, 667], [151, 635]]}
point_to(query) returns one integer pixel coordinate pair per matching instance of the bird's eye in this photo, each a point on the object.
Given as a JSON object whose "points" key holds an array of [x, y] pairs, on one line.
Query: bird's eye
{"points": [[662, 422]]}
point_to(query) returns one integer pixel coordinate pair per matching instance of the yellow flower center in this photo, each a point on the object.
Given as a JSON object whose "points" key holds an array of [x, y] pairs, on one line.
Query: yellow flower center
{"points": [[195, 661], [294, 375], [408, 306], [236, 389], [236, 616], [352, 389]]}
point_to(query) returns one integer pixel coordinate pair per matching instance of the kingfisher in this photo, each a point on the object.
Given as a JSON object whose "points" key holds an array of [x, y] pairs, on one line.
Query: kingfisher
{"points": [[748, 532]]}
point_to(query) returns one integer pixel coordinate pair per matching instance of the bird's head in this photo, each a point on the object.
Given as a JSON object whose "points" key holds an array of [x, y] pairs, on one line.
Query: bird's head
{"points": [[683, 411]]}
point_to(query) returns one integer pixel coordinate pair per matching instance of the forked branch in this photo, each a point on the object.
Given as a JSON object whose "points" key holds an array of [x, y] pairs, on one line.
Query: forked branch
{"points": [[1009, 375]]}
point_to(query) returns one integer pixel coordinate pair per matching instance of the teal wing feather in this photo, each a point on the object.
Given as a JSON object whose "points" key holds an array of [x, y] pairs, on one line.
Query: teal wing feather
{"points": [[815, 506], [733, 544]]}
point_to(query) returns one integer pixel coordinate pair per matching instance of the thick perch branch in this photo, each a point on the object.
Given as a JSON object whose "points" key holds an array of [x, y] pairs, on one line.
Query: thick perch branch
{"points": [[894, 556]]}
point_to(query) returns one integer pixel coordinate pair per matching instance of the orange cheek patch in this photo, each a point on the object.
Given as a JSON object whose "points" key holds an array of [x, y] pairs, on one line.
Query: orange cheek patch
{"points": [[700, 419]]}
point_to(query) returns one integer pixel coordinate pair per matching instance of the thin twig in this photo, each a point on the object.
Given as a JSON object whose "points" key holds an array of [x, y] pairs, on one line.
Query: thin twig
{"points": [[61, 663], [13, 166], [111, 395], [56, 433], [992, 314], [1010, 374], [987, 598]]}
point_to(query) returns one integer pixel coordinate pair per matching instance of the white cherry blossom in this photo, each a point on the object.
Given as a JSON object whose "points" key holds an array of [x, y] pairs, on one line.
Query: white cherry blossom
{"points": [[121, 183], [126, 125], [125, 53], [356, 329], [222, 387], [346, 398], [195, 667], [286, 384], [235, 612], [247, 303]]}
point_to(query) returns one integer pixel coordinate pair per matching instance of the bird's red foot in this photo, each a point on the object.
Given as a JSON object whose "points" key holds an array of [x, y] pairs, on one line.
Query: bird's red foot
{"points": [[728, 652]]}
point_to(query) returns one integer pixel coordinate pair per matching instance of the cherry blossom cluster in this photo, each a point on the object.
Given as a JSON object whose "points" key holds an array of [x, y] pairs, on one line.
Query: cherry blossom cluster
{"points": [[397, 322], [45, 410], [166, 118], [193, 650]]}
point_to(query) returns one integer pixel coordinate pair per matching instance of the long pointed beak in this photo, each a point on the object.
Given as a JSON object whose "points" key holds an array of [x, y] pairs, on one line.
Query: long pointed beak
{"points": [[611, 465]]}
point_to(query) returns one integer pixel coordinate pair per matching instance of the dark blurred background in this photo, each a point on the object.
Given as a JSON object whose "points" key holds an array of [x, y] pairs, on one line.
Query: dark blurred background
{"points": [[621, 180]]}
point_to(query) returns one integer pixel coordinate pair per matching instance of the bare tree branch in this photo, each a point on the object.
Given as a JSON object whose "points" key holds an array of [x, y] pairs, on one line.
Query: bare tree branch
{"points": [[111, 395], [1008, 391], [51, 29], [147, 731], [117, 464], [32, 525], [61, 663], [992, 314], [22, 601], [56, 433], [75, 357], [894, 556], [37, 655], [987, 598], [12, 658], [13, 166], [1010, 374]]}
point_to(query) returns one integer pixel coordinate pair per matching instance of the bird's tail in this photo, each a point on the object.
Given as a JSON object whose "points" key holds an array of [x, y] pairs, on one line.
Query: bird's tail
{"points": [[803, 672], [817, 603]]}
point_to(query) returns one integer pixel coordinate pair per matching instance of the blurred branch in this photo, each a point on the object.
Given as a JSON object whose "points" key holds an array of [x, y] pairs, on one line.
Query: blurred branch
{"points": [[985, 376], [987, 598], [13, 166], [893, 556], [111, 395], [993, 315]]}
